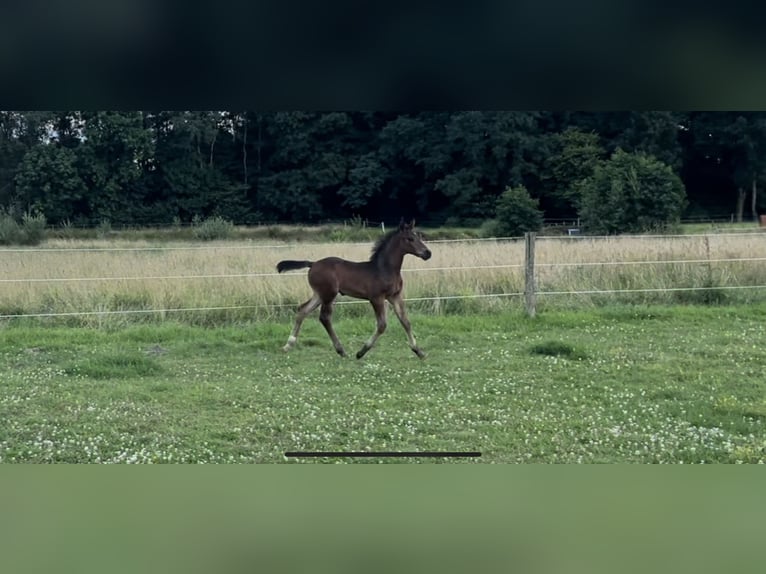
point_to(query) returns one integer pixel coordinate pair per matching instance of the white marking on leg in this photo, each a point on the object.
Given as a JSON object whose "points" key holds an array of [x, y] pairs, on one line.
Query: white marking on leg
{"points": [[290, 342], [303, 312]]}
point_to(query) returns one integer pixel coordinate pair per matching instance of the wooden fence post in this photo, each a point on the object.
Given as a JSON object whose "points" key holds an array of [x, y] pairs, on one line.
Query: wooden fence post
{"points": [[529, 272]]}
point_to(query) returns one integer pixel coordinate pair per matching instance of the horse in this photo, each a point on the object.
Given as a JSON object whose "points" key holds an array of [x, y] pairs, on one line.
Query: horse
{"points": [[377, 280]]}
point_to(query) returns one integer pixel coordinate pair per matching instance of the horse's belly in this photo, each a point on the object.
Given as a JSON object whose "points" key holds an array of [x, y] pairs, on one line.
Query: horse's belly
{"points": [[351, 292]]}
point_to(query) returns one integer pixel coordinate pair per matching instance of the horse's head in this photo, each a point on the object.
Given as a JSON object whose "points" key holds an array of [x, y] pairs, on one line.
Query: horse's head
{"points": [[413, 240]]}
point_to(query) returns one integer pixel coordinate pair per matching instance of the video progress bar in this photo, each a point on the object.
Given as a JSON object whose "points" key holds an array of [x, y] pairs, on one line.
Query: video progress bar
{"points": [[387, 454]]}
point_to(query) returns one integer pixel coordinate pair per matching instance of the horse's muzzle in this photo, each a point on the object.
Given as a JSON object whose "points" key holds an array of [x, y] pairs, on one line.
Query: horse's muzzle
{"points": [[426, 255]]}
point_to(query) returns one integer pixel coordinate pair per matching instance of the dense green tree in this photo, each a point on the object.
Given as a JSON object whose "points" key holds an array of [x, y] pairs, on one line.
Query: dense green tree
{"points": [[731, 146], [488, 151], [651, 132], [456, 165], [573, 155], [365, 181], [300, 167], [112, 160], [440, 167], [190, 168], [631, 192], [19, 133], [414, 152], [12, 152], [319, 165], [48, 180]]}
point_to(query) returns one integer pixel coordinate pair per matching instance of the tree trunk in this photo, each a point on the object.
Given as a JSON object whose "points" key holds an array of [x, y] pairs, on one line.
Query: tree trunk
{"points": [[740, 203], [244, 147], [260, 142], [753, 201], [212, 145]]}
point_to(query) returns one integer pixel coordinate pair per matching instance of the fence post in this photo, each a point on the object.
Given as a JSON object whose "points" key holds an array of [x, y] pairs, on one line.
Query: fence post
{"points": [[709, 267], [529, 272]]}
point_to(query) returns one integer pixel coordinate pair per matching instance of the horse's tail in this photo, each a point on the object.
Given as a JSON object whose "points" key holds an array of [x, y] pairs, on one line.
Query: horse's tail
{"points": [[289, 265]]}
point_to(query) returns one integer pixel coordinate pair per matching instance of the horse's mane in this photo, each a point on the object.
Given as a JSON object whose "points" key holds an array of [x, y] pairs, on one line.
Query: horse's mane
{"points": [[381, 244]]}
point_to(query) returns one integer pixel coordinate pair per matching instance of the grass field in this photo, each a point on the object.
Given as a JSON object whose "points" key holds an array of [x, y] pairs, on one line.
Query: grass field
{"points": [[616, 384], [638, 376]]}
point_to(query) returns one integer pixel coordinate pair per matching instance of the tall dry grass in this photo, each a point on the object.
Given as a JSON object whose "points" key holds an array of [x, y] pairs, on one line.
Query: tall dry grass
{"points": [[63, 277]]}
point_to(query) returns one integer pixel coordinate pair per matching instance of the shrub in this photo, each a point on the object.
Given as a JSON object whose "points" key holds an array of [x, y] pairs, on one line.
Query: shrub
{"points": [[9, 229], [356, 221], [31, 230], [65, 229], [215, 227], [489, 228], [103, 229], [516, 212]]}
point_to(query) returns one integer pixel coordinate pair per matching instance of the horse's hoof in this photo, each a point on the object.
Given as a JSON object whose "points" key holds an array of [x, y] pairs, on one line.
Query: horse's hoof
{"points": [[342, 353], [362, 352], [419, 353], [286, 348]]}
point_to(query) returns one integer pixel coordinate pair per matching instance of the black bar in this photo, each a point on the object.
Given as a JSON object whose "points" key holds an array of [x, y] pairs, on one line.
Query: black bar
{"points": [[389, 454]]}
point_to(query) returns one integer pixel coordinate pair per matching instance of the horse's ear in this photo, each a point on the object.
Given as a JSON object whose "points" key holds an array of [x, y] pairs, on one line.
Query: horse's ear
{"points": [[402, 225], [412, 224]]}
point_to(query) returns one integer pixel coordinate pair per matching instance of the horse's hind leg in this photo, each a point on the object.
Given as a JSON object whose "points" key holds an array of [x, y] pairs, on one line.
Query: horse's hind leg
{"points": [[303, 311], [325, 317], [380, 314]]}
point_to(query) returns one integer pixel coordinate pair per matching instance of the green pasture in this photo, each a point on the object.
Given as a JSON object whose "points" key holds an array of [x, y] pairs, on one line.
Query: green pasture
{"points": [[643, 384]]}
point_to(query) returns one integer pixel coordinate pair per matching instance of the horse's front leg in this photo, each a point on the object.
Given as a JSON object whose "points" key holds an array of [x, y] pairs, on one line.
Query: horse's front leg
{"points": [[398, 304], [379, 305], [325, 317]]}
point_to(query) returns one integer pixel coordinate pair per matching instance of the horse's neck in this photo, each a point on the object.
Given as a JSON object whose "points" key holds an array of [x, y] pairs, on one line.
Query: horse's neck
{"points": [[392, 262]]}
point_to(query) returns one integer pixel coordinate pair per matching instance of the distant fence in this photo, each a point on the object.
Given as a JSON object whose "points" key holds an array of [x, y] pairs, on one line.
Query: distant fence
{"points": [[531, 291], [528, 265]]}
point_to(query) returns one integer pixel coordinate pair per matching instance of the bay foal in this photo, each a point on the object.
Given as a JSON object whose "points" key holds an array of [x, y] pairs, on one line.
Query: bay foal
{"points": [[377, 280]]}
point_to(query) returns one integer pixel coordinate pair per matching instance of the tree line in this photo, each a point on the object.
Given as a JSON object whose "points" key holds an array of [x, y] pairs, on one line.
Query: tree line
{"points": [[620, 170]]}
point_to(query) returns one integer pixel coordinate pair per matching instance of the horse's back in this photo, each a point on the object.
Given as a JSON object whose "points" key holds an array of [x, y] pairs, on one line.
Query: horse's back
{"points": [[338, 264], [332, 261]]}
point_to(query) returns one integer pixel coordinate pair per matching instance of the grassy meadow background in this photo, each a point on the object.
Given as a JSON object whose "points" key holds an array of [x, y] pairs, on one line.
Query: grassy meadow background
{"points": [[238, 277], [644, 376]]}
